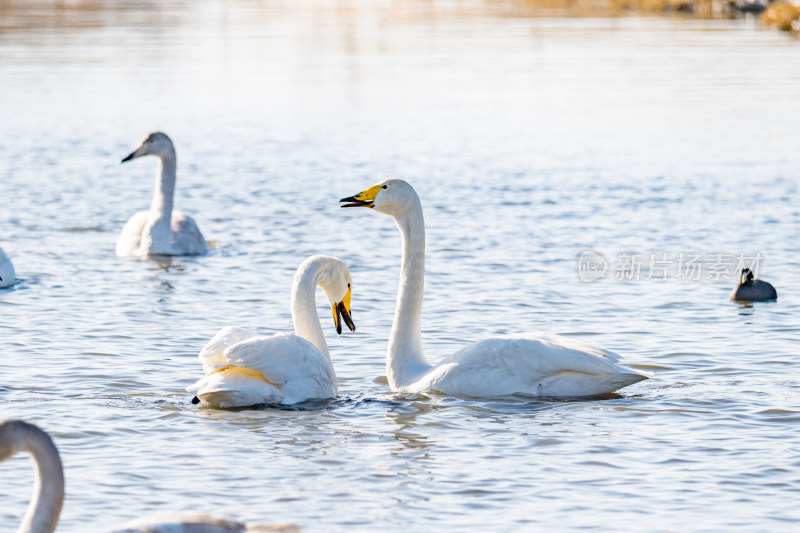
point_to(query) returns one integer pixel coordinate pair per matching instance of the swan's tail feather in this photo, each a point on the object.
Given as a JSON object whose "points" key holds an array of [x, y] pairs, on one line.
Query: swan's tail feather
{"points": [[233, 387], [629, 377], [575, 384]]}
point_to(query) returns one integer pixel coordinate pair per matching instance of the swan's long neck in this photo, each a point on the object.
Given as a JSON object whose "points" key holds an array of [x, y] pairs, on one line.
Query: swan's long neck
{"points": [[48, 489], [304, 305], [161, 206], [406, 360]]}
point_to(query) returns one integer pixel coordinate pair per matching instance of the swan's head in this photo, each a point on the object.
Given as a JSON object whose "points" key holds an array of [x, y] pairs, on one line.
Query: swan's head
{"points": [[11, 432], [393, 197], [335, 280], [156, 143]]}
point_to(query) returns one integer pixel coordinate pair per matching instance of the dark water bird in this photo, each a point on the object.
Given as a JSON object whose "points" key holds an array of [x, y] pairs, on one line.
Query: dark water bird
{"points": [[749, 6], [48, 493], [751, 289]]}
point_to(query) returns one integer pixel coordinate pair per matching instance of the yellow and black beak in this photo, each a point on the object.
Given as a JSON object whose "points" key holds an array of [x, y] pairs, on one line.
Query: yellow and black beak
{"points": [[363, 199], [341, 311]]}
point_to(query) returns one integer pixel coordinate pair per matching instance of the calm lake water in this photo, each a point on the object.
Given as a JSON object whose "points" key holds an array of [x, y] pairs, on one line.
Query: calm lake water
{"points": [[530, 137]]}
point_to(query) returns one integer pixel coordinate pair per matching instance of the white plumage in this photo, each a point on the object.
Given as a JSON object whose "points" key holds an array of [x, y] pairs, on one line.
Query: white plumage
{"points": [[160, 230], [7, 274], [540, 365], [245, 368]]}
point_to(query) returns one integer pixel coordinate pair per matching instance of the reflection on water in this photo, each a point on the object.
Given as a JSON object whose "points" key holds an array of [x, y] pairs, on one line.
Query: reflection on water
{"points": [[530, 137]]}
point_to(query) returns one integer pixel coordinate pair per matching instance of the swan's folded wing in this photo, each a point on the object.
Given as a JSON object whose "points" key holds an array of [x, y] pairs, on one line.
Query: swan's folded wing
{"points": [[571, 344], [186, 236], [281, 358], [213, 354], [131, 235], [536, 356]]}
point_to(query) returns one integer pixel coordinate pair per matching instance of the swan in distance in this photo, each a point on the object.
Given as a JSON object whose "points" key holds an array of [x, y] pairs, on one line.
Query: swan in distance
{"points": [[244, 368], [751, 289], [160, 230], [548, 365], [7, 274], [48, 492]]}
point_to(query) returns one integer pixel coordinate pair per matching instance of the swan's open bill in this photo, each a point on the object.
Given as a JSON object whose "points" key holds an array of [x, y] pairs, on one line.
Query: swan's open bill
{"points": [[160, 230], [48, 493], [543, 365], [751, 289], [244, 368]]}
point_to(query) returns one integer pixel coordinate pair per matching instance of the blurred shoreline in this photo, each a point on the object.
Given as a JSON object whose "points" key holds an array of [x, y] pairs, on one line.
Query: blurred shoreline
{"points": [[783, 15]]}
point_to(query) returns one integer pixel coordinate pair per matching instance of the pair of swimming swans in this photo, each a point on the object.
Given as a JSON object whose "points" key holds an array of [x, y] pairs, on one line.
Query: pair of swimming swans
{"points": [[48, 492], [244, 368]]}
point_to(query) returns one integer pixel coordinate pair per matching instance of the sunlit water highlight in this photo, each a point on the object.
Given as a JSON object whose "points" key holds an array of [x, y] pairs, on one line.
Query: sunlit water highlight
{"points": [[529, 139]]}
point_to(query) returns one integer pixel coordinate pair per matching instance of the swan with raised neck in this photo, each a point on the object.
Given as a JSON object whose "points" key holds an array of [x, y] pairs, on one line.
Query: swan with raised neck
{"points": [[245, 368], [546, 365], [161, 230]]}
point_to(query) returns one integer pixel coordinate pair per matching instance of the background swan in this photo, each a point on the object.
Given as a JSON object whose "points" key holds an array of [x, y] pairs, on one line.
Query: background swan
{"points": [[546, 365], [750, 289], [160, 230], [244, 368], [48, 492], [7, 274]]}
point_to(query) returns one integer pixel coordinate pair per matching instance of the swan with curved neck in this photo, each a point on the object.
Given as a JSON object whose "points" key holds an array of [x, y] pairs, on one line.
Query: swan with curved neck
{"points": [[48, 492], [160, 230], [244, 368], [7, 274], [546, 365], [48, 489]]}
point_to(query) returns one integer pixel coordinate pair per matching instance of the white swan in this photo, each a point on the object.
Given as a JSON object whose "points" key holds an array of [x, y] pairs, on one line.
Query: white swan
{"points": [[48, 492], [7, 274], [160, 230], [546, 365], [244, 368], [48, 489]]}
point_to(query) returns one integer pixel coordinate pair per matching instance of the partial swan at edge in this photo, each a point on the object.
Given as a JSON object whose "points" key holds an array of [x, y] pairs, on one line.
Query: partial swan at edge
{"points": [[7, 274], [548, 365], [160, 230], [48, 492], [244, 368]]}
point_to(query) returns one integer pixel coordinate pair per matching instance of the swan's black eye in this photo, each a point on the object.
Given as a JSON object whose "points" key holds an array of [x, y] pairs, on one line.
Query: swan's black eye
{"points": [[385, 186], [348, 285]]}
